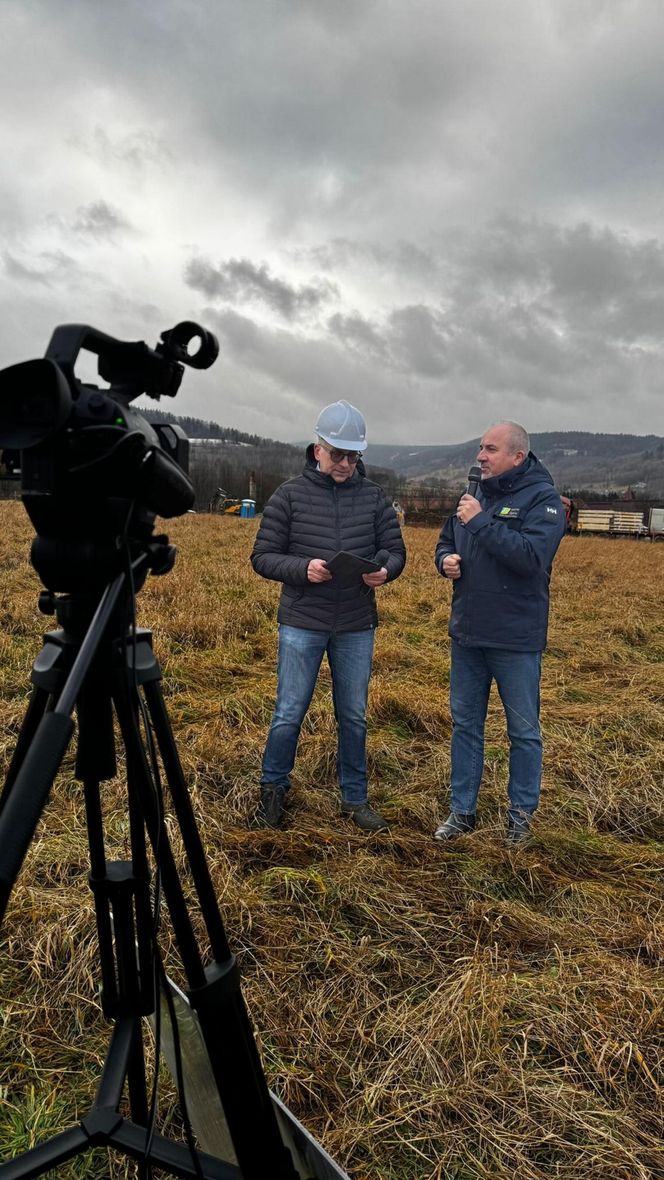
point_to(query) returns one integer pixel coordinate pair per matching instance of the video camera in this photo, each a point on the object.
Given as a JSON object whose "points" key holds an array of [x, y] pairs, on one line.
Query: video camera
{"points": [[93, 470], [94, 476]]}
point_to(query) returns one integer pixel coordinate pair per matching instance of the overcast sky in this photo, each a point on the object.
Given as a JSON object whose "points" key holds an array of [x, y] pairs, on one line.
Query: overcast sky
{"points": [[446, 211]]}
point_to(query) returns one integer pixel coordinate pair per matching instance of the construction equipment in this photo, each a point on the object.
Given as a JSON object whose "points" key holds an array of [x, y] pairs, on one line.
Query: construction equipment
{"points": [[221, 502]]}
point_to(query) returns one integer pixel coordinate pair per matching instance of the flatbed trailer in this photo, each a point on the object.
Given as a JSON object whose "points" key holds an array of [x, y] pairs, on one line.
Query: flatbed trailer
{"points": [[606, 522]]}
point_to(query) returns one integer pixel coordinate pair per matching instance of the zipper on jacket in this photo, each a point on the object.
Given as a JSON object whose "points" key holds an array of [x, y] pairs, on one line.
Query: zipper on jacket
{"points": [[337, 526], [469, 591]]}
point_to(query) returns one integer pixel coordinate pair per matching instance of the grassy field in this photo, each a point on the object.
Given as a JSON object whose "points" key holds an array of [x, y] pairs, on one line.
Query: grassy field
{"points": [[466, 1013]]}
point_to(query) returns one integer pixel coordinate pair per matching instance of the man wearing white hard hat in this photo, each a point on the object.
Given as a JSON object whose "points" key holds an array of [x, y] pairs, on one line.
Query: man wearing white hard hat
{"points": [[331, 508]]}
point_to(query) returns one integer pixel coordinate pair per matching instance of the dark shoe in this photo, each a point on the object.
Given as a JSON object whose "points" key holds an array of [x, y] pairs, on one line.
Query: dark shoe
{"points": [[518, 827], [365, 817], [456, 824], [270, 812]]}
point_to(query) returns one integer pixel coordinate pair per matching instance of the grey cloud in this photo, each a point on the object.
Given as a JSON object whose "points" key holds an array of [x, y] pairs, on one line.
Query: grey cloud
{"points": [[526, 314], [464, 110], [44, 269], [317, 367], [18, 270], [530, 309], [279, 368], [99, 220], [368, 155], [358, 333], [420, 337], [333, 254], [323, 110], [405, 257], [576, 280], [136, 148], [240, 280]]}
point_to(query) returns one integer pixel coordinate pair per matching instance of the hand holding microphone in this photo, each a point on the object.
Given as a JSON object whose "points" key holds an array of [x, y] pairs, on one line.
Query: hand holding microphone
{"points": [[474, 480], [469, 505]]}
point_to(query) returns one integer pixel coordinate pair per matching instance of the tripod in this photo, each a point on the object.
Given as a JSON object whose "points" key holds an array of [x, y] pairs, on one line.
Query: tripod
{"points": [[97, 664]]}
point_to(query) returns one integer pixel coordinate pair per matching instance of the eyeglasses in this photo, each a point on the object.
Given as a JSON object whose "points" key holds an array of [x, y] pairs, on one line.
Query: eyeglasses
{"points": [[338, 456]]}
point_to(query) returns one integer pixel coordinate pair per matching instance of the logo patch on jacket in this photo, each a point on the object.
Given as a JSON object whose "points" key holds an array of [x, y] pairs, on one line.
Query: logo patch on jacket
{"points": [[553, 511], [507, 511]]}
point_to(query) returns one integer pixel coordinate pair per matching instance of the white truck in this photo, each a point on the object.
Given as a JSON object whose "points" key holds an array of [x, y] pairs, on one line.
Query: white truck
{"points": [[656, 524]]}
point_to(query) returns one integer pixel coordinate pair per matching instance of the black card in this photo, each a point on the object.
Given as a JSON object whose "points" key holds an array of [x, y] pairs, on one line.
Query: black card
{"points": [[347, 568]]}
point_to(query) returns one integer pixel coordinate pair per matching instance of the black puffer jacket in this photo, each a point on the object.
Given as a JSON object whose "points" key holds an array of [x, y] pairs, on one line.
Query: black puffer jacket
{"points": [[312, 516]]}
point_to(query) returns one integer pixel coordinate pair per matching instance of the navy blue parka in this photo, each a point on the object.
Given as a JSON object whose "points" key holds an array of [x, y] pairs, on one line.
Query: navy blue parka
{"points": [[507, 549]]}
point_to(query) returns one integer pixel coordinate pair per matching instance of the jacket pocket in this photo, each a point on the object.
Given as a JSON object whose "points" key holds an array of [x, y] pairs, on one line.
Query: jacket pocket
{"points": [[291, 595], [503, 618]]}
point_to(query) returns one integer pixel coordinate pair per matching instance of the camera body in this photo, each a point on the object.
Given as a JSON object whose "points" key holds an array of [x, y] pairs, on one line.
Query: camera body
{"points": [[94, 471]]}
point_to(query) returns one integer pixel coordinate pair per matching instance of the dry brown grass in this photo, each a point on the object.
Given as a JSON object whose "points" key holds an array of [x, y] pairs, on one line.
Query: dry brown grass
{"points": [[427, 1013]]}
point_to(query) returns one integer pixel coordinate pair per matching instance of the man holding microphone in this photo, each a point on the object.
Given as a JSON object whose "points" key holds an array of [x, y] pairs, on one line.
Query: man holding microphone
{"points": [[498, 550]]}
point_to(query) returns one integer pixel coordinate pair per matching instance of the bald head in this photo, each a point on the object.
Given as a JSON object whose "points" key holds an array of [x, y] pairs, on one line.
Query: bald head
{"points": [[502, 447]]}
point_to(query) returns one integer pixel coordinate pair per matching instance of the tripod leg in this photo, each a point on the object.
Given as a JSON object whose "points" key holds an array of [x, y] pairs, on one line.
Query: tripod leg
{"points": [[215, 992], [23, 805], [186, 820], [25, 802], [48, 676], [120, 888], [219, 1004], [142, 788], [34, 713]]}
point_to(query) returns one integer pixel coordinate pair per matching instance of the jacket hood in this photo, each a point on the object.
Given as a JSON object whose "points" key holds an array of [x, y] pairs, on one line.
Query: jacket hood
{"points": [[529, 472], [311, 468]]}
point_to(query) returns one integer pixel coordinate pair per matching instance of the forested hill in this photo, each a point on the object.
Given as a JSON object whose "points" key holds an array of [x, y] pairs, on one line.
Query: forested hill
{"points": [[576, 459], [242, 464], [199, 428]]}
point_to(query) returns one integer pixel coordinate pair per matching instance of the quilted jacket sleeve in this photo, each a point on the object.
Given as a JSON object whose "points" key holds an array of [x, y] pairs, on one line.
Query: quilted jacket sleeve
{"points": [[446, 544], [270, 557]]}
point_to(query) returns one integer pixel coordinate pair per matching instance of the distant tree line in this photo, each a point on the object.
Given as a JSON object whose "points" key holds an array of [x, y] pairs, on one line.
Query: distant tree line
{"points": [[200, 428], [242, 472], [254, 472], [248, 465], [244, 465]]}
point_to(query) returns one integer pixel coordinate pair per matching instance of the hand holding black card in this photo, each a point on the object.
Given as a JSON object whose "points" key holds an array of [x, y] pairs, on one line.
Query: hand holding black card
{"points": [[347, 568]]}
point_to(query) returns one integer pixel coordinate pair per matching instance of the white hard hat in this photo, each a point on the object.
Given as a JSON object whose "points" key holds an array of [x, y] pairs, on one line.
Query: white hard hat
{"points": [[342, 426]]}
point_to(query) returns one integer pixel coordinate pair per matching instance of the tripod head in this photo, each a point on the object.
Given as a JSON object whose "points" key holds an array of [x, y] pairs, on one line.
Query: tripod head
{"points": [[94, 472]]}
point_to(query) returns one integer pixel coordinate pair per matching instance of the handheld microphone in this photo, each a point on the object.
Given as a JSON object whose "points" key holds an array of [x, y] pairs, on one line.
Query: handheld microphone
{"points": [[474, 480]]}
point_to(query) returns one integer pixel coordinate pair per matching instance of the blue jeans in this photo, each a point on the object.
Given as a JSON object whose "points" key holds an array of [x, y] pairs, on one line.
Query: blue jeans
{"points": [[517, 677], [349, 655]]}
